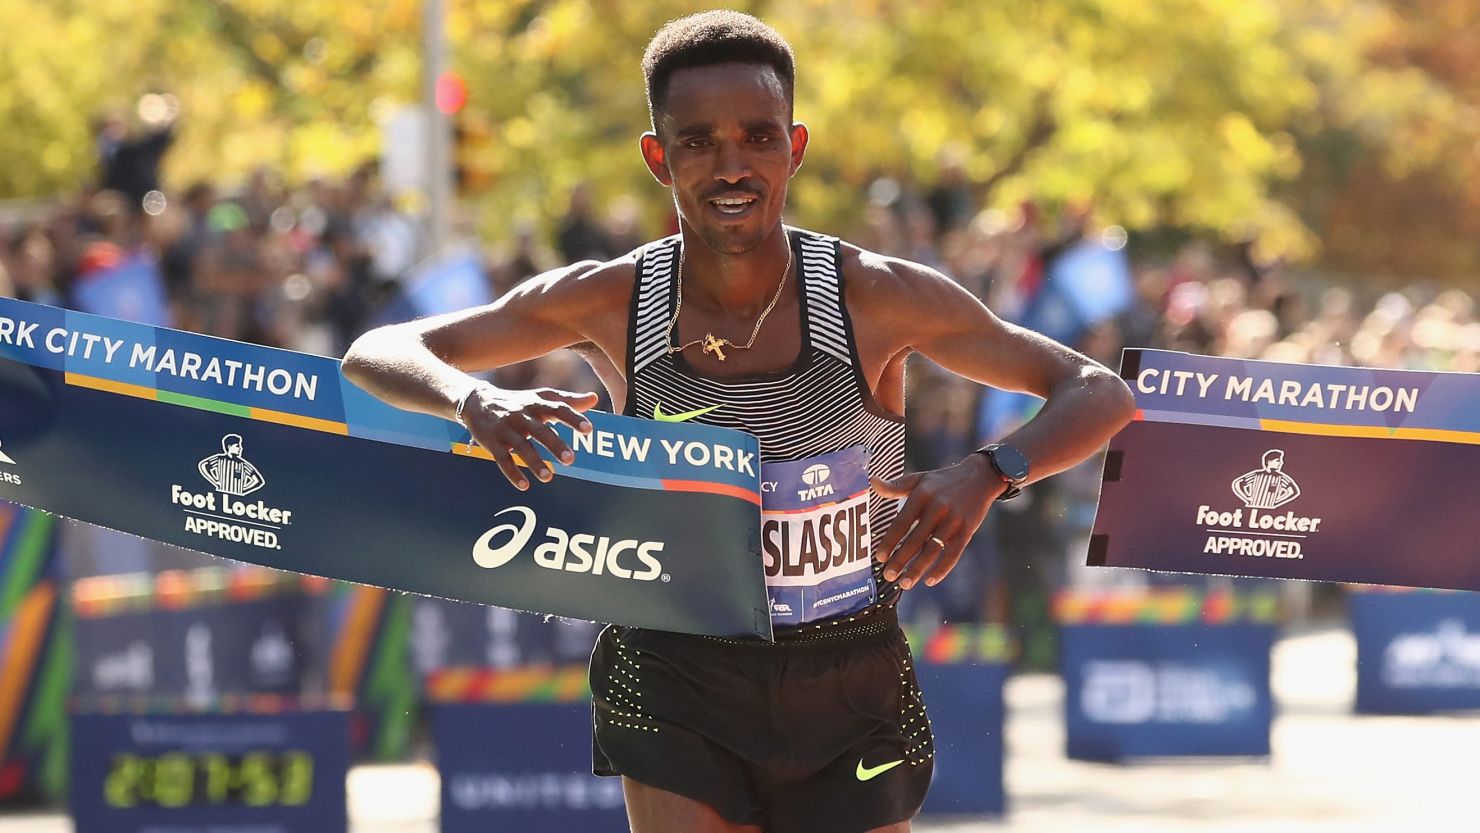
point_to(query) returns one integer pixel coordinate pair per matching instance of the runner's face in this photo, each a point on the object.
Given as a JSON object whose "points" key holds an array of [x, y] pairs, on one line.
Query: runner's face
{"points": [[727, 148]]}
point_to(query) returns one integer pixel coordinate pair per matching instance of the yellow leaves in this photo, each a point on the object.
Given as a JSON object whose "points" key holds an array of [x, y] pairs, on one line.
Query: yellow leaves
{"points": [[252, 101], [327, 148], [520, 134], [56, 157], [269, 47], [1249, 147]]}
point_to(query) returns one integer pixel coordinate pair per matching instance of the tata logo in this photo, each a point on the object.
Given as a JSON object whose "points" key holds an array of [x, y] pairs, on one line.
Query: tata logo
{"points": [[574, 553], [816, 478]]}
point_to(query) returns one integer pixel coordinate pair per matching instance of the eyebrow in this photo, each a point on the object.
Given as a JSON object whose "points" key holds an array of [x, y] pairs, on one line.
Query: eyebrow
{"points": [[700, 129], [706, 128]]}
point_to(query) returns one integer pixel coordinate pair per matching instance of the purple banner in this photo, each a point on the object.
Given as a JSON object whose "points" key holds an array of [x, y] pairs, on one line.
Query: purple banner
{"points": [[1294, 471]]}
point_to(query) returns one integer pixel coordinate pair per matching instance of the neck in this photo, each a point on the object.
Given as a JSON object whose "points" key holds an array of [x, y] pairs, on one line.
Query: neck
{"points": [[740, 283]]}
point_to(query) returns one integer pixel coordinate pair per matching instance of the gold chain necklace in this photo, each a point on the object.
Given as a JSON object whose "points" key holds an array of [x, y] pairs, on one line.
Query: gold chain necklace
{"points": [[711, 343]]}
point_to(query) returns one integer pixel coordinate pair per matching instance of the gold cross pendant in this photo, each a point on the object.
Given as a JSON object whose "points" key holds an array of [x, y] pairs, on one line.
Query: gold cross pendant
{"points": [[713, 345]]}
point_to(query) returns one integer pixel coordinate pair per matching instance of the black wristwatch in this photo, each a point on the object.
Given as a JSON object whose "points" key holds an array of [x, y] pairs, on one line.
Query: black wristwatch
{"points": [[1010, 465]]}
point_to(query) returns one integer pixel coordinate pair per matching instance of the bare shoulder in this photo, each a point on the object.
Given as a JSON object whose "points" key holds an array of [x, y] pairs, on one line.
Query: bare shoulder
{"points": [[900, 295], [587, 287]]}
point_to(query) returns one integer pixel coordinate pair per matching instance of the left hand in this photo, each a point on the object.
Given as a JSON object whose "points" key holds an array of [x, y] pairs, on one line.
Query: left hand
{"points": [[942, 510]]}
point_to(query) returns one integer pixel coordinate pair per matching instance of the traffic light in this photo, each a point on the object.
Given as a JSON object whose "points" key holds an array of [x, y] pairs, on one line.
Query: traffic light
{"points": [[472, 144]]}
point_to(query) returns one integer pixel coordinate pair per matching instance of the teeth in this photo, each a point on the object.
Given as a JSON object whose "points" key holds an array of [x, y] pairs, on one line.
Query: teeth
{"points": [[733, 201]]}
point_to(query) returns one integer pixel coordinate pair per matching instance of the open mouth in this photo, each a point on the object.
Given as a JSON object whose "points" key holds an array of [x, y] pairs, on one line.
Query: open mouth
{"points": [[734, 205]]}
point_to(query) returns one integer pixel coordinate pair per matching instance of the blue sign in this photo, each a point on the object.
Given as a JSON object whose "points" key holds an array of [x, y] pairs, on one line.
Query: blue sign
{"points": [[132, 291], [452, 282], [524, 767], [1086, 285], [1417, 653], [198, 653], [1265, 469], [966, 716], [457, 634], [226, 773], [1166, 690], [264, 456]]}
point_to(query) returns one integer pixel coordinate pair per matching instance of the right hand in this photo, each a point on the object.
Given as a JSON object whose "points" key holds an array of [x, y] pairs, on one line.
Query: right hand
{"points": [[510, 422]]}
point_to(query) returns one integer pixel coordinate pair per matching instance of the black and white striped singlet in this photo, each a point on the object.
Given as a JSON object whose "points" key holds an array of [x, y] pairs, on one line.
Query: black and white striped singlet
{"points": [[819, 405]]}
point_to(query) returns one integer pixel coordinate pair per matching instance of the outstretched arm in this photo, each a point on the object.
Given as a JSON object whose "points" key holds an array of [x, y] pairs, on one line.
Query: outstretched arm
{"points": [[424, 365], [1085, 405]]}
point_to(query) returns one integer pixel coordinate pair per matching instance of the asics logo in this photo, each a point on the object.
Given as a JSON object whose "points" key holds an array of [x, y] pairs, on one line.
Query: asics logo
{"points": [[868, 773], [486, 555], [683, 417], [568, 552]]}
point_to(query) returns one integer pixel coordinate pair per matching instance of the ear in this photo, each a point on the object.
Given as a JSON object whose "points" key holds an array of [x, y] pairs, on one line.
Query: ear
{"points": [[799, 137], [656, 158]]}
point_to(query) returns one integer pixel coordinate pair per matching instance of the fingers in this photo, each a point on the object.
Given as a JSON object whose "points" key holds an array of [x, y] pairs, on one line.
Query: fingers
{"points": [[518, 443], [576, 401], [546, 436], [896, 488], [506, 465], [916, 542], [908, 514], [946, 562], [514, 438]]}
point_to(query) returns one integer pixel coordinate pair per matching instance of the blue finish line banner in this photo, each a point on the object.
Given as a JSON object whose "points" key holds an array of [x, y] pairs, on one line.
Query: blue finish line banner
{"points": [[1294, 471], [274, 458]]}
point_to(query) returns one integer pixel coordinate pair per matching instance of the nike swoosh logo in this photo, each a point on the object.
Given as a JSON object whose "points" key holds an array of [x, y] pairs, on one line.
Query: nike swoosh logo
{"points": [[868, 773], [683, 417]]}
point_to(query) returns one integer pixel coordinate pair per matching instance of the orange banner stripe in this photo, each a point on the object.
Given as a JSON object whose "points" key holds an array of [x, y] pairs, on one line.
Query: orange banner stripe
{"points": [[349, 655], [28, 631], [311, 423], [110, 386], [713, 489]]}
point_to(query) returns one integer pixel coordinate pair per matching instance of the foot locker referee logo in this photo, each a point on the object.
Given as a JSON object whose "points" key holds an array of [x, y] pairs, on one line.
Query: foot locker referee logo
{"points": [[222, 513], [1255, 530], [6, 476], [1268, 487]]}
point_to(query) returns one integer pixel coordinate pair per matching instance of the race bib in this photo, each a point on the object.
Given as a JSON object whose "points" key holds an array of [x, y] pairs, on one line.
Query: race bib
{"points": [[815, 536]]}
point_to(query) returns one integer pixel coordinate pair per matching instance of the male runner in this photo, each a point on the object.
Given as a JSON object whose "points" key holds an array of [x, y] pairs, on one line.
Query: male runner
{"points": [[801, 340]]}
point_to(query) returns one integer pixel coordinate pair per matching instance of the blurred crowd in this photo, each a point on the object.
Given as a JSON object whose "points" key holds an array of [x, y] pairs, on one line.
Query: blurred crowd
{"points": [[308, 266]]}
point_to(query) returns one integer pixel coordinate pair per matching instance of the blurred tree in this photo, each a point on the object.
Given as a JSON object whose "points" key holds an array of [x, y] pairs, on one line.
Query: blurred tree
{"points": [[1165, 111], [1265, 119], [1392, 184], [260, 82]]}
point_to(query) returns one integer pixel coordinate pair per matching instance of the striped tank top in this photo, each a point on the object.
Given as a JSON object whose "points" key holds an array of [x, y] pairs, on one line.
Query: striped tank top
{"points": [[819, 405]]}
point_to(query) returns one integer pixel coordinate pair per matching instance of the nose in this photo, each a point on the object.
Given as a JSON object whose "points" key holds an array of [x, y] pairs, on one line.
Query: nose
{"points": [[732, 166]]}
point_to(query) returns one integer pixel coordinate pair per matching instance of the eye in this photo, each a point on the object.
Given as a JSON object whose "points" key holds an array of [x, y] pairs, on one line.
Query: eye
{"points": [[696, 143], [763, 138]]}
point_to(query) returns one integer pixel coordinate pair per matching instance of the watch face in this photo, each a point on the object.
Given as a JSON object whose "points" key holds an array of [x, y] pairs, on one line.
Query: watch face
{"points": [[1010, 463]]}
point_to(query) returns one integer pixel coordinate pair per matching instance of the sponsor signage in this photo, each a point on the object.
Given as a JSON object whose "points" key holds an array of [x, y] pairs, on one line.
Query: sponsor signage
{"points": [[1417, 652], [1166, 673], [197, 654], [962, 669], [1278, 470], [273, 458], [1160, 691], [513, 751], [443, 633], [227, 773]]}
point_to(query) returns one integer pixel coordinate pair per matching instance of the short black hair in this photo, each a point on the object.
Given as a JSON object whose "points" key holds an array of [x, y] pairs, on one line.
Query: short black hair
{"points": [[713, 37]]}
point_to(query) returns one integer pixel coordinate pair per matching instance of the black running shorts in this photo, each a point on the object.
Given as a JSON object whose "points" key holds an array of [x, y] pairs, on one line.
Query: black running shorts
{"points": [[819, 735]]}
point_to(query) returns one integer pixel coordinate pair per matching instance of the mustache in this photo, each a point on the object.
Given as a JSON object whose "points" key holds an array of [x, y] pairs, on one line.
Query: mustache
{"points": [[732, 191]]}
